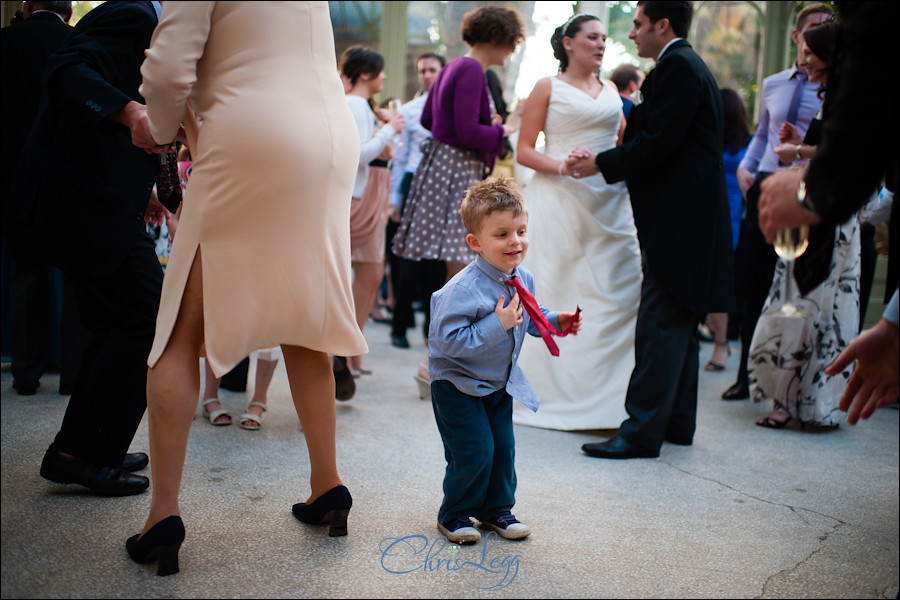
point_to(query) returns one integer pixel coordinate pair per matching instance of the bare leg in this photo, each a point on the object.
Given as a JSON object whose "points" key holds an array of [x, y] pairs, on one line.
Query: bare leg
{"points": [[366, 279], [211, 390], [718, 324], [172, 388], [265, 369], [312, 387]]}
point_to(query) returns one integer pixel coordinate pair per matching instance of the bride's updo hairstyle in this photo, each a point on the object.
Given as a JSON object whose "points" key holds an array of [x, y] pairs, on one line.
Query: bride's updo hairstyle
{"points": [[568, 29]]}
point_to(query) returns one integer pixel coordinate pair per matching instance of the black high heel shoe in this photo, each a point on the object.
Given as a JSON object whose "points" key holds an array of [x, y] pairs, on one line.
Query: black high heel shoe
{"points": [[332, 508], [161, 542]]}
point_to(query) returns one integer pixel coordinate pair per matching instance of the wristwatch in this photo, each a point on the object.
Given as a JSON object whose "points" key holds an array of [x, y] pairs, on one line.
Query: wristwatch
{"points": [[803, 199], [797, 153]]}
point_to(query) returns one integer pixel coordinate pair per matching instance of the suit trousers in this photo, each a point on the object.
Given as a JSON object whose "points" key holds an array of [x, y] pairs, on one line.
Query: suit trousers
{"points": [[480, 449], [662, 393], [110, 395], [44, 310], [759, 260]]}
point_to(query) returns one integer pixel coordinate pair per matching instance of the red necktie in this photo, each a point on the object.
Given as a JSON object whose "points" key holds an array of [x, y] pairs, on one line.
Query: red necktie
{"points": [[537, 317]]}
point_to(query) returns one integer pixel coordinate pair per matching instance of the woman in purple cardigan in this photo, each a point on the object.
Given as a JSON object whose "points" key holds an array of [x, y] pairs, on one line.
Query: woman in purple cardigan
{"points": [[467, 137]]}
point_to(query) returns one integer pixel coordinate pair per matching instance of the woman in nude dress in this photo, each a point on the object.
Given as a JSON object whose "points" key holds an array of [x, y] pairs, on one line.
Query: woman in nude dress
{"points": [[262, 255]]}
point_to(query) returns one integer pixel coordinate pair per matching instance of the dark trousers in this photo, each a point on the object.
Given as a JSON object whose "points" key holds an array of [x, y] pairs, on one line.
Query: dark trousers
{"points": [[480, 449], [411, 279], [759, 260], [110, 395], [44, 319], [662, 393]]}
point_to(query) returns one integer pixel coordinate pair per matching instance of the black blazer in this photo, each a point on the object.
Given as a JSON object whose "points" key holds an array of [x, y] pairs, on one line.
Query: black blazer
{"points": [[24, 50], [82, 187], [671, 160]]}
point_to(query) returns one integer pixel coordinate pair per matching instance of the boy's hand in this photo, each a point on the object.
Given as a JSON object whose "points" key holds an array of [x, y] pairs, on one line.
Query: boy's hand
{"points": [[570, 318], [511, 314]]}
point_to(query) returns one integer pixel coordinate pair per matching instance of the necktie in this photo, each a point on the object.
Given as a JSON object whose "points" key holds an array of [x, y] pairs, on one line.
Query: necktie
{"points": [[794, 107], [537, 317]]}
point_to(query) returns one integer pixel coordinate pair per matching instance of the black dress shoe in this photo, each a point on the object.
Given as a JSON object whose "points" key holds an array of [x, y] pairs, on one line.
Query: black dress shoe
{"points": [[739, 391], [25, 389], [679, 440], [135, 461], [106, 481], [399, 341], [616, 447]]}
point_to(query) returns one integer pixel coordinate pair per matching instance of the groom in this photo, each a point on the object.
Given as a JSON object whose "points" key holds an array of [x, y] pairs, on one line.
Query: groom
{"points": [[671, 160]]}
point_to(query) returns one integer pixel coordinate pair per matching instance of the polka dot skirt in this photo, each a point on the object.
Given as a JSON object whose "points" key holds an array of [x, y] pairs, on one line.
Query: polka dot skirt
{"points": [[431, 227]]}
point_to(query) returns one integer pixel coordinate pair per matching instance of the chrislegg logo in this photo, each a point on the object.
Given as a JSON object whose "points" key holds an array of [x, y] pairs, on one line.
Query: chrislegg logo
{"points": [[401, 556]]}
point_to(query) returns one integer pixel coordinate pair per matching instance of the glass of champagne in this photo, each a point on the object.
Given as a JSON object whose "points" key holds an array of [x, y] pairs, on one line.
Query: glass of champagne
{"points": [[790, 243], [394, 108]]}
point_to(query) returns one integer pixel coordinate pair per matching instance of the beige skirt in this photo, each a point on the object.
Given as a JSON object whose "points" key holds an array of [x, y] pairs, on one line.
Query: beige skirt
{"points": [[368, 218]]}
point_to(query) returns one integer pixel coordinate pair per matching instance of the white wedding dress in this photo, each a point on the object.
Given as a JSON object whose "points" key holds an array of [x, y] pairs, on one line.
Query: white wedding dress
{"points": [[584, 251]]}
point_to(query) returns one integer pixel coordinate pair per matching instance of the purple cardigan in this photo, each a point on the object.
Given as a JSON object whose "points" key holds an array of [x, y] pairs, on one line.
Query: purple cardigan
{"points": [[458, 111]]}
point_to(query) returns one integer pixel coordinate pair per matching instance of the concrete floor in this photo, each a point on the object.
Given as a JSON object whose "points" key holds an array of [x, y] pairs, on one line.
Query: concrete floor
{"points": [[744, 513]]}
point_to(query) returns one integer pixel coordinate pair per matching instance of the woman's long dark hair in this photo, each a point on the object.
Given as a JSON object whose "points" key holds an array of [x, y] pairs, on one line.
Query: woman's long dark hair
{"points": [[822, 40], [736, 130], [568, 29]]}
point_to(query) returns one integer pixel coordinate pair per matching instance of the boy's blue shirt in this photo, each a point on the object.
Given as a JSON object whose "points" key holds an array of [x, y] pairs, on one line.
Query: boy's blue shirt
{"points": [[469, 346]]}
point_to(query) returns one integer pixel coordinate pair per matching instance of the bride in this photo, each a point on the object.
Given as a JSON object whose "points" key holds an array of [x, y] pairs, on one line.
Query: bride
{"points": [[584, 246]]}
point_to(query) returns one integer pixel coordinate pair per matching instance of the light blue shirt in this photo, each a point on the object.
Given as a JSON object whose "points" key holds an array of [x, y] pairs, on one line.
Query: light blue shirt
{"points": [[775, 101], [469, 346], [408, 154]]}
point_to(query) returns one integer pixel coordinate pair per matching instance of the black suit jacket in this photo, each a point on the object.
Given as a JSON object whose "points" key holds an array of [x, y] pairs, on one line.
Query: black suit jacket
{"points": [[24, 50], [671, 159], [82, 187]]}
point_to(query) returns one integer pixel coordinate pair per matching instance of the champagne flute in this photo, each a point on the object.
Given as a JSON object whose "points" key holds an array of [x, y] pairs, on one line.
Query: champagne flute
{"points": [[790, 243], [393, 107]]}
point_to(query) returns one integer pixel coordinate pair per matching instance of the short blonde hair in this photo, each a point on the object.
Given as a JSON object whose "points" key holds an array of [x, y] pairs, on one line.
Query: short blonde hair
{"points": [[490, 196]]}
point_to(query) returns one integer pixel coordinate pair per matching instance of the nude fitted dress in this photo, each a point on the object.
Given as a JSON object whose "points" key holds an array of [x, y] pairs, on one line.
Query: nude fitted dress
{"points": [[267, 207]]}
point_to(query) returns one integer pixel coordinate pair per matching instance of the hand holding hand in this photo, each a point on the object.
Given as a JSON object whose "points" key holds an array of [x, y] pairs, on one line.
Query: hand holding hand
{"points": [[789, 134], [511, 314], [875, 382], [580, 163], [570, 318], [134, 116], [787, 153]]}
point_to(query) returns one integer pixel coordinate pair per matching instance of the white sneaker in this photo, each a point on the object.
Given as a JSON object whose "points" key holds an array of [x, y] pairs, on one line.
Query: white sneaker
{"points": [[460, 531], [508, 526]]}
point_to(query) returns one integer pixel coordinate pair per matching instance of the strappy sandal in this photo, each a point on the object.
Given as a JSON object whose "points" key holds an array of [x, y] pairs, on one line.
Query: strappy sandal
{"points": [[713, 366], [773, 423], [212, 416], [248, 418]]}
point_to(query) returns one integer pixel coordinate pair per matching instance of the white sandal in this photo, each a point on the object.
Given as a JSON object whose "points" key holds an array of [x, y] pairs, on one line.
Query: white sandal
{"points": [[251, 417], [212, 416], [423, 382]]}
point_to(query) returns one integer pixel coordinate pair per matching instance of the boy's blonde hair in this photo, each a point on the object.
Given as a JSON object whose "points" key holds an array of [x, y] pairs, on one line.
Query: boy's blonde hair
{"points": [[490, 196]]}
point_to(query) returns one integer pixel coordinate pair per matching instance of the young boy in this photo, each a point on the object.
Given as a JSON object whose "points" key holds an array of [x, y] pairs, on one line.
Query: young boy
{"points": [[475, 339]]}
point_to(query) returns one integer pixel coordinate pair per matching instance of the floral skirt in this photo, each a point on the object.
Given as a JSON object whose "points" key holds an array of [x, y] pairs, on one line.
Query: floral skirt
{"points": [[431, 226]]}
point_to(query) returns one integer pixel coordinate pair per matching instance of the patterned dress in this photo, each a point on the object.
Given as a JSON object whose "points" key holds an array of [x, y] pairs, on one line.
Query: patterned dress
{"points": [[788, 356]]}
